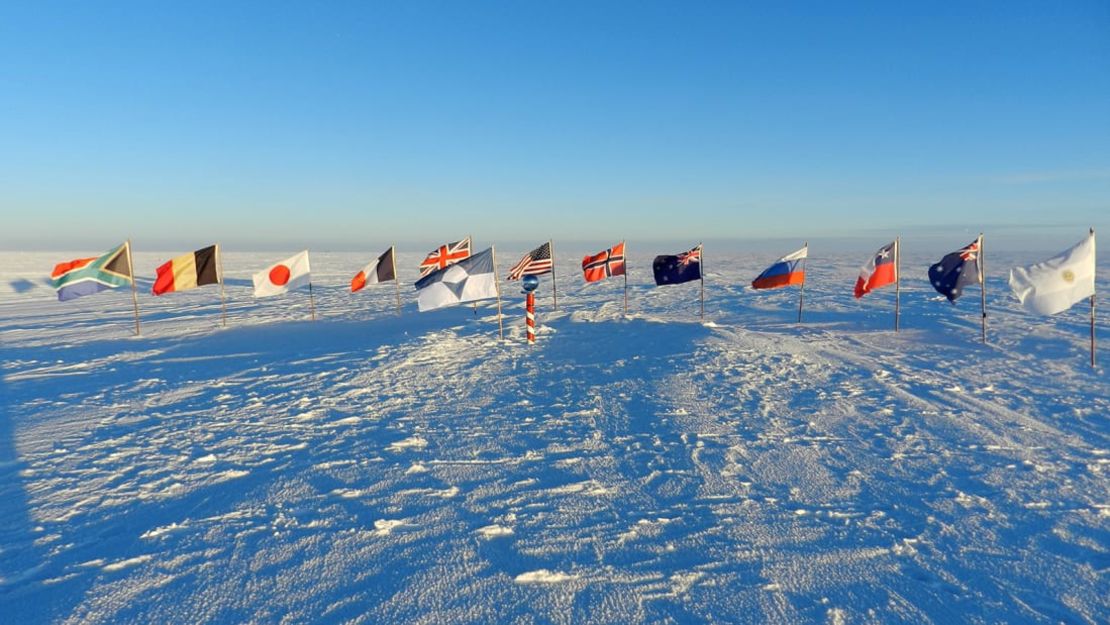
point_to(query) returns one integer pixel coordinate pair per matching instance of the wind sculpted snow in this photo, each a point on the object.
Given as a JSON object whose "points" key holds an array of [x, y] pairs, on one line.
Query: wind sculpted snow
{"points": [[370, 468]]}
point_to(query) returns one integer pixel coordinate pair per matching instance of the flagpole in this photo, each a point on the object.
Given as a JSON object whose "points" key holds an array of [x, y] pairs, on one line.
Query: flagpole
{"points": [[497, 285], [897, 281], [802, 291], [1092, 319], [223, 296], [983, 287], [134, 289], [311, 301], [701, 275], [396, 278], [470, 239], [625, 280], [554, 291]]}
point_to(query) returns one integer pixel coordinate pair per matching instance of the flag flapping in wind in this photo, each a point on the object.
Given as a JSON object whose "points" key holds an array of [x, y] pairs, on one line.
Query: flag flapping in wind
{"points": [[445, 256], [880, 270], [785, 271], [952, 273], [85, 276], [604, 264], [188, 271], [379, 270], [678, 268], [291, 273], [467, 280], [534, 263], [1058, 283]]}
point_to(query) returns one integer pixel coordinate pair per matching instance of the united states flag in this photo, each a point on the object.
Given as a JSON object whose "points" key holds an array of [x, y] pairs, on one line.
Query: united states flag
{"points": [[534, 263], [444, 256]]}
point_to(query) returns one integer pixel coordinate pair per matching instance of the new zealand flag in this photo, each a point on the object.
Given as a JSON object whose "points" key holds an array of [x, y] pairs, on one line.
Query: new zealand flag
{"points": [[955, 271], [677, 269]]}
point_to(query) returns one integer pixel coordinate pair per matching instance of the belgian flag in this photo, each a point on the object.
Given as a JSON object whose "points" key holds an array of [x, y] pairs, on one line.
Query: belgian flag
{"points": [[189, 271]]}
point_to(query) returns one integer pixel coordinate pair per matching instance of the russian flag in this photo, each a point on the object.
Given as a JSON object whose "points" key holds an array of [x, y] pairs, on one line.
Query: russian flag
{"points": [[789, 269]]}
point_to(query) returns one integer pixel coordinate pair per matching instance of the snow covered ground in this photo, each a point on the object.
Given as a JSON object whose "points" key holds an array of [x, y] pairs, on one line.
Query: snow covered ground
{"points": [[370, 468]]}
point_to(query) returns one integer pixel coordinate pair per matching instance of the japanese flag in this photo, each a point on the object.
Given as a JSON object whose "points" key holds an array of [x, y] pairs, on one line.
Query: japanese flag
{"points": [[291, 273]]}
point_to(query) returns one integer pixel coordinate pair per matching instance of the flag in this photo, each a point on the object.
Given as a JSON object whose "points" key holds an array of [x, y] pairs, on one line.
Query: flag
{"points": [[677, 269], [291, 273], [187, 271], [86, 276], [444, 256], [957, 270], [379, 270], [784, 272], [468, 280], [604, 264], [880, 271], [1056, 284], [534, 263]]}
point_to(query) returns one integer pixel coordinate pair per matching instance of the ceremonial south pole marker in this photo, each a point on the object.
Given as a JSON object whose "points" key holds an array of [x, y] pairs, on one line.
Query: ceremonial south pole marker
{"points": [[530, 283]]}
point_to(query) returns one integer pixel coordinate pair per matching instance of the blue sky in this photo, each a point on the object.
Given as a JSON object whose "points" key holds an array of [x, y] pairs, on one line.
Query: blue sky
{"points": [[334, 125]]}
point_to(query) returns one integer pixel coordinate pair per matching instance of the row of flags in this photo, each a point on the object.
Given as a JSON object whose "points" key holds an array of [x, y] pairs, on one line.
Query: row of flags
{"points": [[451, 274]]}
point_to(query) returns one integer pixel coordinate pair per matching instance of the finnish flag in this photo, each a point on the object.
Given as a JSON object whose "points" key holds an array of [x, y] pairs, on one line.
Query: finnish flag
{"points": [[468, 280]]}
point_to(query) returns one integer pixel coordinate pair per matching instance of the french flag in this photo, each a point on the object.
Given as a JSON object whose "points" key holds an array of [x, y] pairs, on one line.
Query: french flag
{"points": [[789, 269], [880, 271]]}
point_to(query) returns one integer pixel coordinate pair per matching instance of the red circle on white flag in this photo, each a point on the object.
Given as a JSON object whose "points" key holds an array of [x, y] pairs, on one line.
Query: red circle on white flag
{"points": [[279, 275]]}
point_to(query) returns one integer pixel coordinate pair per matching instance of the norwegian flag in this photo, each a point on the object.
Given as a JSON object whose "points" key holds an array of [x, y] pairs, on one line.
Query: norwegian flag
{"points": [[534, 263], [444, 256], [604, 264]]}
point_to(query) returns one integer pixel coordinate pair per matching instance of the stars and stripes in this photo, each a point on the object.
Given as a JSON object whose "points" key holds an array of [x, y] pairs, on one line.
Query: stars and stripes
{"points": [[444, 256], [534, 263]]}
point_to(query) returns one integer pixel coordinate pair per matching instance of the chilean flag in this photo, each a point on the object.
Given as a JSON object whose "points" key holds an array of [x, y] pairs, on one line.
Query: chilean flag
{"points": [[880, 271]]}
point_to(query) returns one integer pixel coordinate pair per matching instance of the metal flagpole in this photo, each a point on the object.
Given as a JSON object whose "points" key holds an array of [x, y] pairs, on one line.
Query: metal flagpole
{"points": [[470, 240], [223, 295], [497, 285], [311, 301], [554, 291], [701, 275], [983, 286], [897, 281], [1092, 319], [802, 291], [625, 280], [396, 278], [134, 289]]}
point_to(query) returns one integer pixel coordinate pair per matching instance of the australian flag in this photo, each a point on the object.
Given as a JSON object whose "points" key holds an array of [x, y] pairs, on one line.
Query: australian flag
{"points": [[955, 271], [677, 269]]}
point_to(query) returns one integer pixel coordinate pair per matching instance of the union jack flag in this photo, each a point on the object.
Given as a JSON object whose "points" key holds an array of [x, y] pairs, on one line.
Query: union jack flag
{"points": [[604, 264], [444, 256], [534, 263], [971, 252], [693, 256]]}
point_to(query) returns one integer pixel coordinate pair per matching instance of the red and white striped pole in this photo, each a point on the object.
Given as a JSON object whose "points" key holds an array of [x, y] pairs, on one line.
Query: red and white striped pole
{"points": [[530, 317]]}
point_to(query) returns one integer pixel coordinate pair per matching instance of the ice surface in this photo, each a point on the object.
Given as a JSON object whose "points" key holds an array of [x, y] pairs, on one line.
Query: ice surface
{"points": [[375, 468]]}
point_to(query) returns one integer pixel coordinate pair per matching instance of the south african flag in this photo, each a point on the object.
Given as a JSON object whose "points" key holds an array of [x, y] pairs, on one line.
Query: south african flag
{"points": [[86, 276]]}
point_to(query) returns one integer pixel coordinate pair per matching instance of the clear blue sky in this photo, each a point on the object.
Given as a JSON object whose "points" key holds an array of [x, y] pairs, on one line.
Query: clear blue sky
{"points": [[331, 124]]}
